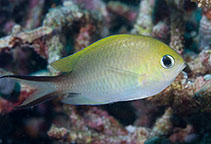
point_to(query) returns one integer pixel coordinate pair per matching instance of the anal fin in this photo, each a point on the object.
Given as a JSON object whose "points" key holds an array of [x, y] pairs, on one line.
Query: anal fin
{"points": [[78, 99]]}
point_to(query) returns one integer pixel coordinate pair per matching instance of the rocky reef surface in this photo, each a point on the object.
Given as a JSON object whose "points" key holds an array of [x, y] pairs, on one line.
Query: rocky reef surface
{"points": [[37, 32]]}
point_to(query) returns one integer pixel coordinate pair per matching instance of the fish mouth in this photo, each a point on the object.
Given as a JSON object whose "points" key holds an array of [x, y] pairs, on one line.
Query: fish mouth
{"points": [[181, 67]]}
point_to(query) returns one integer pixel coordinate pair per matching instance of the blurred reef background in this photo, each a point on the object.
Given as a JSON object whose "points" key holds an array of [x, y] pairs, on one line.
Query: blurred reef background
{"points": [[34, 33]]}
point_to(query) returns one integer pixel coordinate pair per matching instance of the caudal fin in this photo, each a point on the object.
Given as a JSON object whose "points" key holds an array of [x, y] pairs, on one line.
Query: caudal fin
{"points": [[44, 85]]}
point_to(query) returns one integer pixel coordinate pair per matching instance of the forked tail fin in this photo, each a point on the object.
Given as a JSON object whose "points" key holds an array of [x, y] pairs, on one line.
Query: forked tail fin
{"points": [[45, 88]]}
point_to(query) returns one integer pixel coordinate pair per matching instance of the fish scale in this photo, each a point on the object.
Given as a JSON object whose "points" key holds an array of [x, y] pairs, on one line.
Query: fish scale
{"points": [[84, 71]]}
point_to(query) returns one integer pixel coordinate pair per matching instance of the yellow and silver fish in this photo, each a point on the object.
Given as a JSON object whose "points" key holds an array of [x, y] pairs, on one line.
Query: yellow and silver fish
{"points": [[117, 68]]}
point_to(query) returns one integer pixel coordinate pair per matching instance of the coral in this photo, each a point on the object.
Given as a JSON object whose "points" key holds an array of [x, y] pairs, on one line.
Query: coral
{"points": [[205, 31], [58, 17], [203, 3], [123, 10], [160, 30], [83, 39], [177, 25], [31, 39], [55, 48], [95, 5], [201, 65], [183, 135], [96, 126], [143, 25], [145, 113], [163, 125], [64, 17], [69, 13], [84, 136]]}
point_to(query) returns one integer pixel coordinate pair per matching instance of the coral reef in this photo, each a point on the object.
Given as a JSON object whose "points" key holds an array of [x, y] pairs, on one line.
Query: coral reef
{"points": [[95, 126], [66, 17], [123, 10], [160, 30], [94, 5], [163, 125], [144, 23], [201, 64], [31, 39], [36, 33], [177, 25], [205, 30], [183, 135]]}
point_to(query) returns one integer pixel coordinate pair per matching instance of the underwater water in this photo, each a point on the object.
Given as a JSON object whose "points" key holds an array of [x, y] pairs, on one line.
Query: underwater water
{"points": [[35, 33]]}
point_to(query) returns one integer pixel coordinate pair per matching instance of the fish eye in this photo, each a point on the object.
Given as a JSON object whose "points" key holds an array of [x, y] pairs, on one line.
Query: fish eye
{"points": [[167, 61]]}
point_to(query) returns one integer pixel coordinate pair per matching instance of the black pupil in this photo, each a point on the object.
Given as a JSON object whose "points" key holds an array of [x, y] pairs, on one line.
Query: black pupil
{"points": [[166, 61]]}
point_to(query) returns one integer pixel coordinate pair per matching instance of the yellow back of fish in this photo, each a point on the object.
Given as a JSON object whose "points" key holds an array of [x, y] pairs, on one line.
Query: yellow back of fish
{"points": [[66, 64]]}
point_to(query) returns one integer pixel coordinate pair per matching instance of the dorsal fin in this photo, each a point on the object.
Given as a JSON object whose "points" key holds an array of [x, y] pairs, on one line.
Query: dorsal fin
{"points": [[66, 64]]}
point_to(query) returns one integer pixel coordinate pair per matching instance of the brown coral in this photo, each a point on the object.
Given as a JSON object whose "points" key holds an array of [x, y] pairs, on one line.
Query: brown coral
{"points": [[163, 125], [96, 126], [182, 135], [177, 25], [32, 39]]}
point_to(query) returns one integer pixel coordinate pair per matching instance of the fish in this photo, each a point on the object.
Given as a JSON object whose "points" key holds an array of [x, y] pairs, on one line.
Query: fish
{"points": [[121, 67]]}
